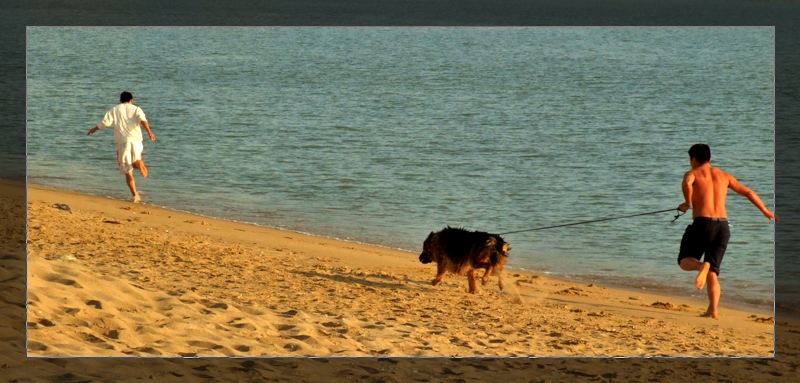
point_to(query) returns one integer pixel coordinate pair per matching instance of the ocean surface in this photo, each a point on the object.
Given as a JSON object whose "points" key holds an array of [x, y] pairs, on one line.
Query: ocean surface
{"points": [[381, 135]]}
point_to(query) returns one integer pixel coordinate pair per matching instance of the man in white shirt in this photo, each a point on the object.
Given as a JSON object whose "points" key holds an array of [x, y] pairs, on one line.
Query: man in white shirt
{"points": [[127, 120]]}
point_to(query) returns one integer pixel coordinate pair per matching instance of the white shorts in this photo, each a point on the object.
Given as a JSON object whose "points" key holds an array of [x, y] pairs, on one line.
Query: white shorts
{"points": [[127, 154]]}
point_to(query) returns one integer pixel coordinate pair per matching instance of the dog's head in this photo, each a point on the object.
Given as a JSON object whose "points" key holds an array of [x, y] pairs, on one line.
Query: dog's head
{"points": [[426, 257], [500, 249], [502, 257]]}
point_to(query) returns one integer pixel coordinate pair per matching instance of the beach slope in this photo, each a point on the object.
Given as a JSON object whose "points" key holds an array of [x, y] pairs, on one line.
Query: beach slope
{"points": [[113, 278]]}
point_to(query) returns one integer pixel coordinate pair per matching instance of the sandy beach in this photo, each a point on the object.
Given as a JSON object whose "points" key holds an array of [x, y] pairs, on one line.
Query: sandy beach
{"points": [[110, 278], [113, 278]]}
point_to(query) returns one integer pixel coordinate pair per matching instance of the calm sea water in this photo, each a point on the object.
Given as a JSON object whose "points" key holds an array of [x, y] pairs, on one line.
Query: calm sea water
{"points": [[381, 135]]}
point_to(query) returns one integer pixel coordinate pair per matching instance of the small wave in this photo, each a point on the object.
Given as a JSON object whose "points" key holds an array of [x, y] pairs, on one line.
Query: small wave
{"points": [[345, 128], [49, 178]]}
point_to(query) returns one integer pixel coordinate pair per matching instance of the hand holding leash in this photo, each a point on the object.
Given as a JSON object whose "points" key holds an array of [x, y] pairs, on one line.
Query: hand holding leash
{"points": [[680, 213]]}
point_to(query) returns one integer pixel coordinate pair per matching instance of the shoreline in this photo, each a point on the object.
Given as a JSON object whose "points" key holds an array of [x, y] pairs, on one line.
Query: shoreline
{"points": [[215, 287], [610, 281]]}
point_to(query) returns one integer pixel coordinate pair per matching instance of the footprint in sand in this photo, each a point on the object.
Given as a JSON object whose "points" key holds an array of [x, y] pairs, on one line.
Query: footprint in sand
{"points": [[669, 306], [246, 326], [63, 281], [91, 338], [251, 310], [36, 346], [210, 305], [293, 347], [95, 304], [369, 370], [573, 342], [62, 206], [148, 350], [571, 291], [204, 344]]}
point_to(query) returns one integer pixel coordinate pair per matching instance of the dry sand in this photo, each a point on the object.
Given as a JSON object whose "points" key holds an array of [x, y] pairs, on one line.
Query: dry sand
{"points": [[112, 278]]}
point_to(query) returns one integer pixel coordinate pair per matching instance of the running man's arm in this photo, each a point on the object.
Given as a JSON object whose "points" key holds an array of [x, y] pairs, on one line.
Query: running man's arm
{"points": [[96, 128], [751, 195], [688, 181], [149, 132], [105, 123]]}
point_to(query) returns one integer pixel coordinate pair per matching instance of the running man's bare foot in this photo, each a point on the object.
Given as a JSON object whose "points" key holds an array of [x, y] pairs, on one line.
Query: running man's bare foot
{"points": [[143, 169], [700, 281], [137, 199]]}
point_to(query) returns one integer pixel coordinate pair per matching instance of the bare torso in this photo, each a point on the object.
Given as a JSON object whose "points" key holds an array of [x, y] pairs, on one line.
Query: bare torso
{"points": [[709, 188]]}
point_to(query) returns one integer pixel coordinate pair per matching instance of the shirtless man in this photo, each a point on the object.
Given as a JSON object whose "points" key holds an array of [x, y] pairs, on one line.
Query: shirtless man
{"points": [[704, 189]]}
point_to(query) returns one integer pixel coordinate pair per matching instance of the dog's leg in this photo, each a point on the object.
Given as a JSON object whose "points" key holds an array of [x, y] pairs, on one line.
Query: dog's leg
{"points": [[440, 270], [473, 286], [500, 282], [485, 277]]}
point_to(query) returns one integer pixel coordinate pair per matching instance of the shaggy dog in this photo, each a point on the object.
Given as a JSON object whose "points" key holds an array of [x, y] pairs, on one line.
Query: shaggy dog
{"points": [[462, 252]]}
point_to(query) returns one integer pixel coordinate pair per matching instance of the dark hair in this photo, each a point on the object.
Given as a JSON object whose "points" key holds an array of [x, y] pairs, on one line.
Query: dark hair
{"points": [[125, 97], [700, 152]]}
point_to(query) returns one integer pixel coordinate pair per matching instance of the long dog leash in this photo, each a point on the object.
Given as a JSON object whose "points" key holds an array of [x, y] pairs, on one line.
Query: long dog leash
{"points": [[680, 213]]}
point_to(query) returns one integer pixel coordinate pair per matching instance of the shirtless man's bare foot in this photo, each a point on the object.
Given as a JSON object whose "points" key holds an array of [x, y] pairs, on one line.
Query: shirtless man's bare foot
{"points": [[710, 314], [700, 281]]}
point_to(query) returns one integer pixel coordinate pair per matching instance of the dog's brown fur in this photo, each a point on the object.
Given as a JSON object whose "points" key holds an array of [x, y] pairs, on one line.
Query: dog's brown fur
{"points": [[462, 252]]}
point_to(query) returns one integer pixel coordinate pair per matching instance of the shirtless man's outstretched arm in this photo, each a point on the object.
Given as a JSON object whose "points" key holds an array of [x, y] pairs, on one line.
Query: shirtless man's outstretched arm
{"points": [[752, 196]]}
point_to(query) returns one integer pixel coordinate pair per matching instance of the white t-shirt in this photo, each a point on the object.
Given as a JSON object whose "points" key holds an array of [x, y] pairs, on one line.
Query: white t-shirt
{"points": [[126, 119]]}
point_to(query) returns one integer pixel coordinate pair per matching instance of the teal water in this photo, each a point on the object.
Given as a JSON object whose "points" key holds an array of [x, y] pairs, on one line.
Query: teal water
{"points": [[381, 135]]}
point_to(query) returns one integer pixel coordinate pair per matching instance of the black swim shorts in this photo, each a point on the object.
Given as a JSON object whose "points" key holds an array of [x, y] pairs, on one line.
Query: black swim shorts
{"points": [[707, 236]]}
